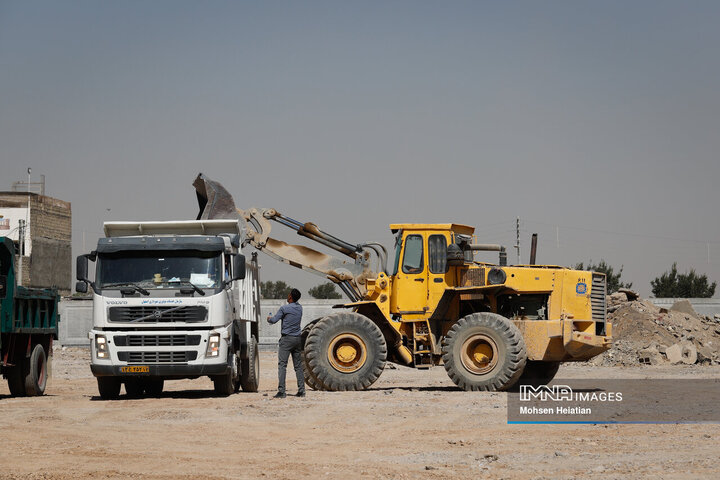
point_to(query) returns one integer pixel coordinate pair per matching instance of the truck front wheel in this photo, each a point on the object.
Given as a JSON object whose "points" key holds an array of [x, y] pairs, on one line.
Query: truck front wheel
{"points": [[250, 378], [108, 387], [229, 383]]}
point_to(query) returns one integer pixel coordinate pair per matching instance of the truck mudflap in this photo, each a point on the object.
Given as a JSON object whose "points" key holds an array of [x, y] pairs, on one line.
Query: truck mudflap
{"points": [[178, 371], [567, 340]]}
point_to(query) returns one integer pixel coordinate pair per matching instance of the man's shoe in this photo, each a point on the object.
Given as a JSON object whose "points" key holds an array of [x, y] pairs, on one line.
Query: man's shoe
{"points": [[280, 395], [300, 394]]}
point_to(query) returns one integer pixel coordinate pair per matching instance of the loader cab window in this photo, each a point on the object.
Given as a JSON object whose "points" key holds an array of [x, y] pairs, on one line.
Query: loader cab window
{"points": [[437, 253], [398, 248], [413, 257]]}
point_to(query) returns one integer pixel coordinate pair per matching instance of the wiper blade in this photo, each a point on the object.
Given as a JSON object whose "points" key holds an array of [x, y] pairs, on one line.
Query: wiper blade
{"points": [[186, 282], [137, 287]]}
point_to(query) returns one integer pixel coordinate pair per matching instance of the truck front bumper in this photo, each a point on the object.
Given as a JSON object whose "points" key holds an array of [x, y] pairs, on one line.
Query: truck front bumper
{"points": [[178, 371]]}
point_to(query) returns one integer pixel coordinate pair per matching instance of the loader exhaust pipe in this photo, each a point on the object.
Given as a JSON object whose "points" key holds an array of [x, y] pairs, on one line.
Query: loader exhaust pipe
{"points": [[533, 248], [491, 247]]}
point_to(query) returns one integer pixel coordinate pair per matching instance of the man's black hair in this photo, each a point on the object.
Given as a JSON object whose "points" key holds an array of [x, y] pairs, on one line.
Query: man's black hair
{"points": [[295, 294]]}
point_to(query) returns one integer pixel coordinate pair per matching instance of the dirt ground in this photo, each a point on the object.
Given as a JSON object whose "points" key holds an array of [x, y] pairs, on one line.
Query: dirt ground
{"points": [[410, 424]]}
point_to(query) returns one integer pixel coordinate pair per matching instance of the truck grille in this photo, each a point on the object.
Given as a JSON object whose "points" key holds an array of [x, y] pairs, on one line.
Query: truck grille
{"points": [[157, 340], [154, 314], [156, 357], [597, 300]]}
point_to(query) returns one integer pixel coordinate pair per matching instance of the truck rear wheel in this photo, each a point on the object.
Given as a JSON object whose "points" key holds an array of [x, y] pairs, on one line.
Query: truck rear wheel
{"points": [[36, 372], [345, 351], [310, 379], [109, 387], [250, 374], [484, 351], [16, 378]]}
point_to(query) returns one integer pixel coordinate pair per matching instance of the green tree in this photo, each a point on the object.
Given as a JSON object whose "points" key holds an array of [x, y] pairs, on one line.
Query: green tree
{"points": [[274, 290], [672, 284], [613, 279], [325, 291]]}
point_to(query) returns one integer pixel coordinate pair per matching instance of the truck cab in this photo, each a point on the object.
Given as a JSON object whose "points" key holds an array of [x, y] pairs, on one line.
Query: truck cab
{"points": [[172, 300]]}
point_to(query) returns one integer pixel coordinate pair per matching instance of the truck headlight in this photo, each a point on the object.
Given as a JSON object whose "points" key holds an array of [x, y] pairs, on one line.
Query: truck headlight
{"points": [[213, 349], [101, 346]]}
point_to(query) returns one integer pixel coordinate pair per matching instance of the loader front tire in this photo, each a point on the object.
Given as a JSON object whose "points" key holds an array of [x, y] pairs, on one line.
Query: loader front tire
{"points": [[310, 379], [484, 351], [346, 351]]}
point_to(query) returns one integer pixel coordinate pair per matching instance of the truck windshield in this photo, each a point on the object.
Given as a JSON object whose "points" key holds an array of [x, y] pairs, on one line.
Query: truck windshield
{"points": [[160, 269]]}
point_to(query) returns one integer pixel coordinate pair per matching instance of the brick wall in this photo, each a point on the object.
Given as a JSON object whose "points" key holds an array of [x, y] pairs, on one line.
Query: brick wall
{"points": [[50, 263]]}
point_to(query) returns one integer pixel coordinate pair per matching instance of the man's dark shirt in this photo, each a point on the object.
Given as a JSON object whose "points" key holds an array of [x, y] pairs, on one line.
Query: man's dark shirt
{"points": [[290, 314]]}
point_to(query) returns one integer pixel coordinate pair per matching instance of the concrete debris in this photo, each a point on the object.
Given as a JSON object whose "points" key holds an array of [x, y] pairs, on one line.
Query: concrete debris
{"points": [[684, 306], [648, 335], [630, 294], [650, 356]]}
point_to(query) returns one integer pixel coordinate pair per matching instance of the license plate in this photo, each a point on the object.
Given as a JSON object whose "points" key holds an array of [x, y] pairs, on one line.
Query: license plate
{"points": [[144, 369]]}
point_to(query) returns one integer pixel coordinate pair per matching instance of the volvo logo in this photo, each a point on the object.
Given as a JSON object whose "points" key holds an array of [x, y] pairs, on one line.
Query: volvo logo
{"points": [[157, 314]]}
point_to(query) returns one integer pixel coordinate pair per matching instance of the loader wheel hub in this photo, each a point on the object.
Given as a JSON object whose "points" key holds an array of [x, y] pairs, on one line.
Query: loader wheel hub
{"points": [[479, 354], [347, 353]]}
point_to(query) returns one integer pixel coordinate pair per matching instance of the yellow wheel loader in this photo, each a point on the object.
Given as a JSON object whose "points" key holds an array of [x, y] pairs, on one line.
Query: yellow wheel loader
{"points": [[490, 325]]}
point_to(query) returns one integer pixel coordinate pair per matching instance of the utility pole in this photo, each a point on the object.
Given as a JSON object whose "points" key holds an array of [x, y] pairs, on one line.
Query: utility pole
{"points": [[557, 237], [21, 244], [517, 239]]}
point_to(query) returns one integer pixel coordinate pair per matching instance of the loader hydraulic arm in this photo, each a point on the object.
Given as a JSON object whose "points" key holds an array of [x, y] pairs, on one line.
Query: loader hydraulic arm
{"points": [[350, 275]]}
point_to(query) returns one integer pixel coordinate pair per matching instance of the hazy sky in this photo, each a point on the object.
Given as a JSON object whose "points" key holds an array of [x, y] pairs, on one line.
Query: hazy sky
{"points": [[598, 121]]}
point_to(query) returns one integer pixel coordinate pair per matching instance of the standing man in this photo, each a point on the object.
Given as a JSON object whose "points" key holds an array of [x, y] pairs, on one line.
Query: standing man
{"points": [[291, 315]]}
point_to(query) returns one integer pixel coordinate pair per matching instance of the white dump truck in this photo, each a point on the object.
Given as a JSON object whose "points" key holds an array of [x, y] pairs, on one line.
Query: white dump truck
{"points": [[172, 300]]}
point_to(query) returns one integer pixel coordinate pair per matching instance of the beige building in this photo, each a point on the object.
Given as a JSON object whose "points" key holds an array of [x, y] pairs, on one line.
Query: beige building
{"points": [[47, 260]]}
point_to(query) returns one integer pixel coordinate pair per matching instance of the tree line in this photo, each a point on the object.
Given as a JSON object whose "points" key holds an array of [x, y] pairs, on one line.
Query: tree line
{"points": [[670, 284]]}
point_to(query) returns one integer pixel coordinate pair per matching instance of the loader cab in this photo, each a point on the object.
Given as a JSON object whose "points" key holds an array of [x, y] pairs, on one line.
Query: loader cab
{"points": [[421, 272]]}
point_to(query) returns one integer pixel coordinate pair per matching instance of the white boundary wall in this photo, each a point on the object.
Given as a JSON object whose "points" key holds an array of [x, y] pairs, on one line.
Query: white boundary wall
{"points": [[76, 319]]}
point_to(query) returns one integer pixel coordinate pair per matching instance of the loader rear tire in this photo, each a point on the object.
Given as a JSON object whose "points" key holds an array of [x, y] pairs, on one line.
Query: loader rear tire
{"points": [[346, 351], [538, 373], [250, 368], [310, 379], [36, 372], [484, 351]]}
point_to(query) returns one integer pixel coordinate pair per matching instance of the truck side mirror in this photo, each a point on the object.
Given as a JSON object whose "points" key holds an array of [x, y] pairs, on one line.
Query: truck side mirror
{"points": [[81, 268], [238, 267], [81, 287]]}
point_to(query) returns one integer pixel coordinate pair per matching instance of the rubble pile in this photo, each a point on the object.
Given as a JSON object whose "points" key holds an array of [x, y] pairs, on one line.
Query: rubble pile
{"points": [[646, 334]]}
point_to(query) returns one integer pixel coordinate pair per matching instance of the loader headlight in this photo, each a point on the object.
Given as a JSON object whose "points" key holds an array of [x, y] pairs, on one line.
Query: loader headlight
{"points": [[101, 347], [213, 349], [496, 276]]}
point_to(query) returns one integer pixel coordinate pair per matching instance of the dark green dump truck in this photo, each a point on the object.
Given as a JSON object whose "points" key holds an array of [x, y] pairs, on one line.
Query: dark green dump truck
{"points": [[28, 325]]}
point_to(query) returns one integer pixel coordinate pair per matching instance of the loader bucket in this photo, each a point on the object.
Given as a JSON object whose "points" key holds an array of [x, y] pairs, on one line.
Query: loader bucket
{"points": [[214, 201]]}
